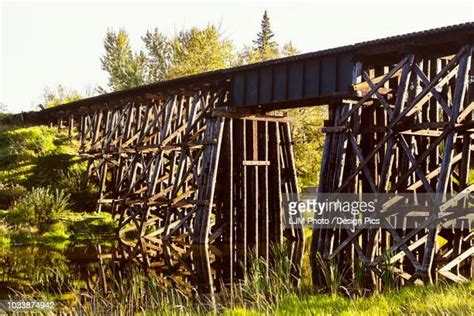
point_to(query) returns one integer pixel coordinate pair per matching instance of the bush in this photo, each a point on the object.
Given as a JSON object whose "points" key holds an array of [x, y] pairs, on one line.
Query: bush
{"points": [[83, 198], [40, 207], [57, 232]]}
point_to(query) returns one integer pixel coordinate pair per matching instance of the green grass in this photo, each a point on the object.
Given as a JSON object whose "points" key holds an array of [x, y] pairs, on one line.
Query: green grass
{"points": [[38, 165], [436, 300], [34, 156], [71, 227], [143, 294], [89, 226], [265, 292]]}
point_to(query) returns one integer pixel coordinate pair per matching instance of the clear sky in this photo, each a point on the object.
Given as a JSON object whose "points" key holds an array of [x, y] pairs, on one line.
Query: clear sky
{"points": [[49, 43]]}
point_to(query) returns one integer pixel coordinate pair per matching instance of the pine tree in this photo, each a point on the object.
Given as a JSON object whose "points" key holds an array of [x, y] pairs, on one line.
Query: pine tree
{"points": [[264, 41]]}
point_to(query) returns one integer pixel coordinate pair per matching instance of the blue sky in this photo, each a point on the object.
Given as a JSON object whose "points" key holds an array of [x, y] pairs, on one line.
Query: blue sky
{"points": [[49, 43]]}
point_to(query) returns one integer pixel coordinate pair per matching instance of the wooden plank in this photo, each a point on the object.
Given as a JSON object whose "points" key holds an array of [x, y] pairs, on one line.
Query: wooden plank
{"points": [[250, 117], [255, 163], [467, 111], [365, 87]]}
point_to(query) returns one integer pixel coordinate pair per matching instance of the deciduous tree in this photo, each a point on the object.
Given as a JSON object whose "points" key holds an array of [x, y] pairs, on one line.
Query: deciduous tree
{"points": [[59, 95], [200, 50], [159, 52], [126, 69]]}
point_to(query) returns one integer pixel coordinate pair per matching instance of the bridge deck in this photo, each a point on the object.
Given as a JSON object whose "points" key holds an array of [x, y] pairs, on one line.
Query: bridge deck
{"points": [[284, 82]]}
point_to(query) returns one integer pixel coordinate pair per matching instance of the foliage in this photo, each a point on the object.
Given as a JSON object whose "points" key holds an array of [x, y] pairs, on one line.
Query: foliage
{"points": [[10, 194], [189, 52], [333, 274], [3, 111], [249, 55], [3, 107], [412, 300], [308, 142], [289, 49], [42, 157], [89, 226], [34, 156], [126, 69], [159, 52], [40, 208], [266, 286], [264, 41], [83, 196], [199, 50], [59, 95], [265, 48], [56, 232], [4, 234], [26, 142]]}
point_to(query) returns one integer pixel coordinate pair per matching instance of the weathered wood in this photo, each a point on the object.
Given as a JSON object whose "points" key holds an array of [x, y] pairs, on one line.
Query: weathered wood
{"points": [[399, 138]]}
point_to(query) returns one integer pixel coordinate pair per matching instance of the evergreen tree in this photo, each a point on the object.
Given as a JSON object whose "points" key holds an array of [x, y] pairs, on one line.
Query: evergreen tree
{"points": [[264, 41]]}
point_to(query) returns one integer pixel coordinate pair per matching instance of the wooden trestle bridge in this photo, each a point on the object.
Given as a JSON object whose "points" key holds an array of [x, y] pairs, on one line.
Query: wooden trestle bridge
{"points": [[208, 158]]}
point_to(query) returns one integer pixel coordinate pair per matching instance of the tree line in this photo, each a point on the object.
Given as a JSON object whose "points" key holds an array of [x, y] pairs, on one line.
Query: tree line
{"points": [[199, 50], [164, 57], [188, 52]]}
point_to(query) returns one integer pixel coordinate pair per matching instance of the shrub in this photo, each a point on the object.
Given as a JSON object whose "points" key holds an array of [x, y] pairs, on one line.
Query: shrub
{"points": [[57, 232], [40, 207], [83, 198]]}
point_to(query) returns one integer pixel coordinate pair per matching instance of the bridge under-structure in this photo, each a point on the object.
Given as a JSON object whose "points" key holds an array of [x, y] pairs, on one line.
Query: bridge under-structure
{"points": [[209, 159]]}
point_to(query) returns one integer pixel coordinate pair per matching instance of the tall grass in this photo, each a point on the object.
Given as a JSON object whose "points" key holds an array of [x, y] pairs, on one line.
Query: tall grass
{"points": [[267, 290], [333, 275], [40, 208], [4, 234], [134, 291], [268, 283]]}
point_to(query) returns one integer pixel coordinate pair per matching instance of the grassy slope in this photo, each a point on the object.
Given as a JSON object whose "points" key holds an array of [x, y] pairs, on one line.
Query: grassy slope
{"points": [[34, 156], [40, 156]]}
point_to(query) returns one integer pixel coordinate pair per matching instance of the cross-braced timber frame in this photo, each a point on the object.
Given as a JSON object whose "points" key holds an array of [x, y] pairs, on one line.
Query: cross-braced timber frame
{"points": [[185, 167], [409, 130], [206, 159]]}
